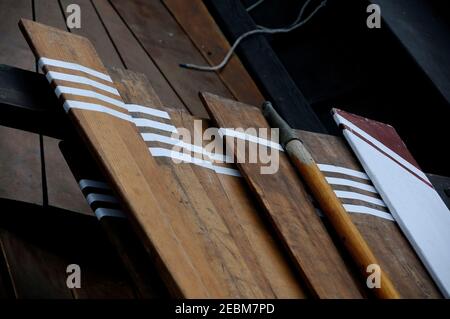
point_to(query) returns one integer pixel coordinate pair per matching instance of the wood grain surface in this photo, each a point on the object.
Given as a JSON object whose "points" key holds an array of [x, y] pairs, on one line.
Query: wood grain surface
{"points": [[225, 212], [195, 19], [93, 28], [289, 209], [133, 54], [168, 45], [393, 251], [198, 251]]}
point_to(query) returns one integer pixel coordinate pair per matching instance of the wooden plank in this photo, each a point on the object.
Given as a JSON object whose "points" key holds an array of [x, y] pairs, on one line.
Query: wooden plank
{"points": [[37, 262], [21, 176], [20, 164], [13, 49], [50, 12], [194, 18], [392, 250], [224, 210], [197, 256], [120, 234], [266, 68], [288, 207], [416, 206], [133, 55], [119, 231], [32, 269], [62, 189], [28, 103], [156, 205], [93, 29], [169, 46]]}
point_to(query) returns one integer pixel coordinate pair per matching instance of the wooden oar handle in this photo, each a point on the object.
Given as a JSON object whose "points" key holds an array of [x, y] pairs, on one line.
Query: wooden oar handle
{"points": [[335, 212], [275, 121], [329, 203]]}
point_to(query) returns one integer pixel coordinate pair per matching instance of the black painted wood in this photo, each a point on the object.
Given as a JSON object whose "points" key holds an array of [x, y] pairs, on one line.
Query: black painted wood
{"points": [[134, 257], [422, 28], [442, 186], [28, 103], [266, 68]]}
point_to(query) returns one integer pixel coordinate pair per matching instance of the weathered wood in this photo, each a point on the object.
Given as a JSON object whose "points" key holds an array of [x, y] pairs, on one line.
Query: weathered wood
{"points": [[288, 207], [168, 46], [160, 211], [266, 68], [13, 49], [142, 272], [93, 29], [50, 13], [133, 55], [20, 163], [330, 204], [224, 211], [37, 262], [62, 190], [394, 253], [120, 233], [20, 166], [194, 18]]}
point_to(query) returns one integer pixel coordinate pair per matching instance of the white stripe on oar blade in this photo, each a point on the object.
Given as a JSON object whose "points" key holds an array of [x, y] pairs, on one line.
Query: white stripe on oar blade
{"points": [[342, 170], [151, 137], [71, 104], [52, 75], [251, 138], [88, 93], [360, 197], [73, 66], [359, 209], [163, 152], [147, 110], [350, 183]]}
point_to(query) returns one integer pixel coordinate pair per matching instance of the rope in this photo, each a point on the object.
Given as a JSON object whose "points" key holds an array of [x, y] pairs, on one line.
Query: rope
{"points": [[261, 30], [253, 6]]}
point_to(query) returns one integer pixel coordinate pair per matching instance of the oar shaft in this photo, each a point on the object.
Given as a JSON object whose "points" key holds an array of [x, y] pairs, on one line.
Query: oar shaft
{"points": [[329, 203]]}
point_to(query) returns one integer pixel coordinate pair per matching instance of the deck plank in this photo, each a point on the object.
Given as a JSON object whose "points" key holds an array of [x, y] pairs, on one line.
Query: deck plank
{"points": [[62, 189], [93, 29], [134, 56], [168, 46], [228, 217], [20, 163], [288, 207], [194, 18]]}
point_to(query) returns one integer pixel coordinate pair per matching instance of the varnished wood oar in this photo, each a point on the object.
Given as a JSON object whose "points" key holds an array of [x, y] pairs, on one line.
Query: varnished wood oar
{"points": [[329, 202]]}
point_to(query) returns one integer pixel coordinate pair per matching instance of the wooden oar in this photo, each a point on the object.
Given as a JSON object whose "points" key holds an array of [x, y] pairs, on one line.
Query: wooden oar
{"points": [[329, 202]]}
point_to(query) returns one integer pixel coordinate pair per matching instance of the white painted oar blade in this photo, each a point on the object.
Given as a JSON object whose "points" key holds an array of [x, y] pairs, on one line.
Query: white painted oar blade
{"points": [[415, 205]]}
